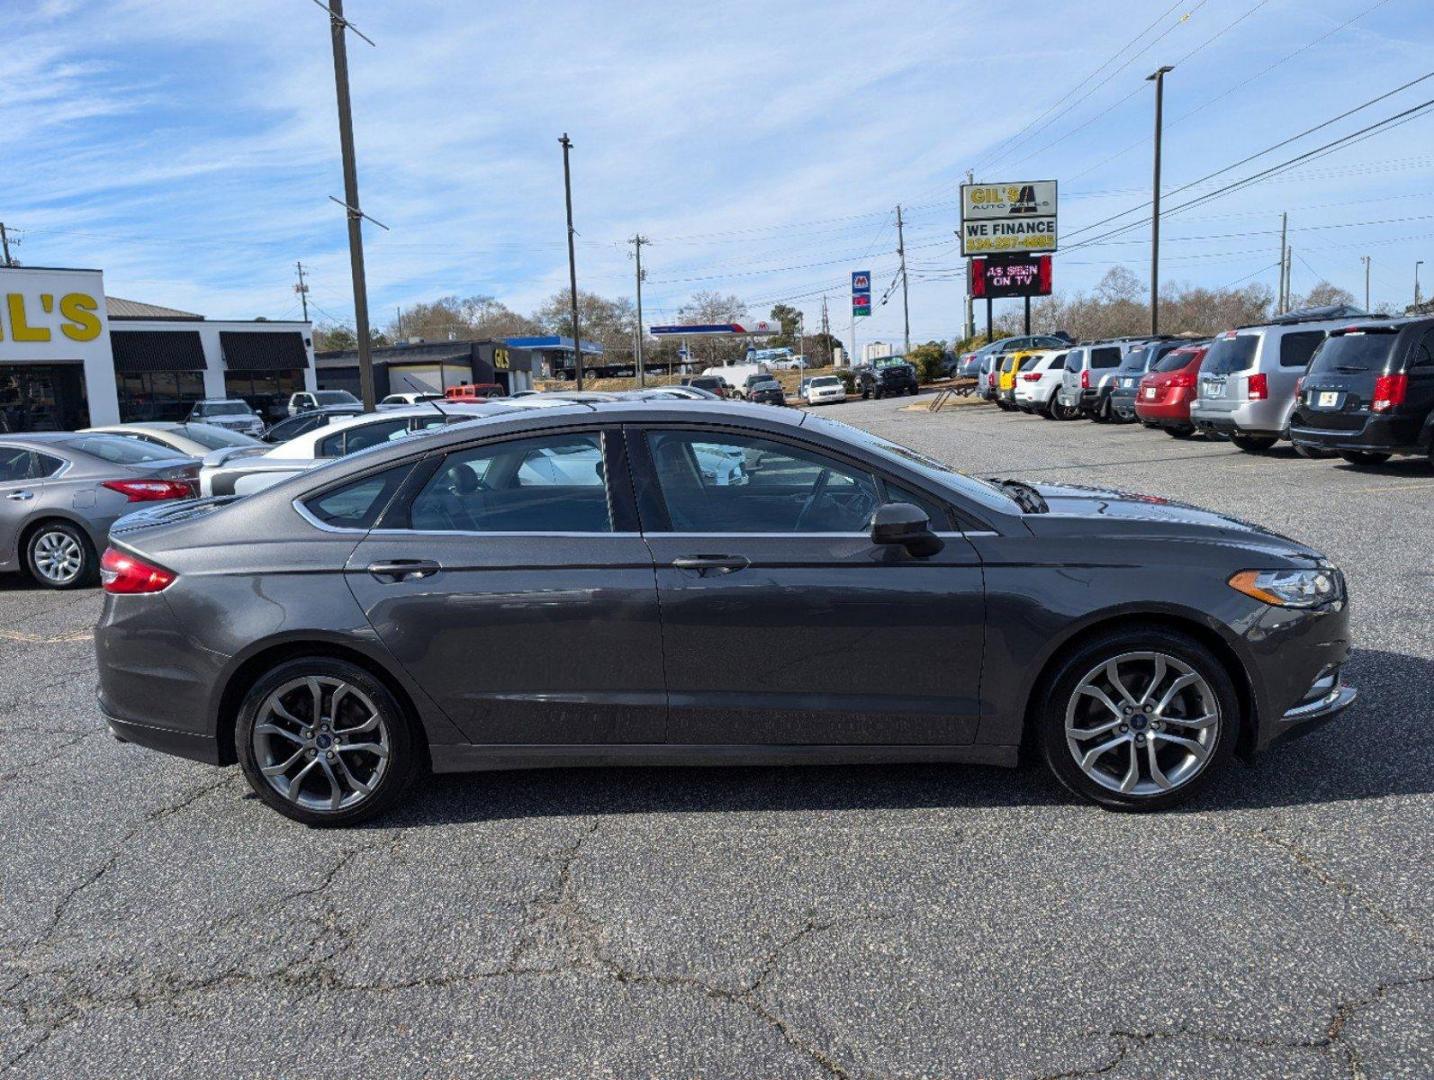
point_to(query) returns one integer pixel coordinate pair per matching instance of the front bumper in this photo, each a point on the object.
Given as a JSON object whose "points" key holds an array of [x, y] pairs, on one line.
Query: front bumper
{"points": [[1327, 698]]}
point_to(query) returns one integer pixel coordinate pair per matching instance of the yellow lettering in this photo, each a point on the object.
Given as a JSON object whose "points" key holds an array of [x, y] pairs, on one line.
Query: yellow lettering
{"points": [[79, 310], [20, 329]]}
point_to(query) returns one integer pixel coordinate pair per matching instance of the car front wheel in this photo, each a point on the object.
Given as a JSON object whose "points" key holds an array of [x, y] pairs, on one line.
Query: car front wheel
{"points": [[60, 556], [1253, 444], [1139, 719], [1364, 457], [324, 742]]}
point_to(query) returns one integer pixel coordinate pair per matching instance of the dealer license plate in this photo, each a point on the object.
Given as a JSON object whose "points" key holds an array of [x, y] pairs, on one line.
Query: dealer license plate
{"points": [[1150, 393], [1328, 399]]}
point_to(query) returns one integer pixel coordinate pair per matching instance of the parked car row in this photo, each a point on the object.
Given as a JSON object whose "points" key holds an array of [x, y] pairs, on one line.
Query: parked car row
{"points": [[1334, 381]]}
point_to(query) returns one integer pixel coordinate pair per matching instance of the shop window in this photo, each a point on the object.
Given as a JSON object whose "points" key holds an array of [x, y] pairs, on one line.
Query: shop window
{"points": [[267, 392], [158, 395]]}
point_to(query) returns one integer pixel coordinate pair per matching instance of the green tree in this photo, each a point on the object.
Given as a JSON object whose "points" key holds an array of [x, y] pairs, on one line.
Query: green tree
{"points": [[789, 318], [927, 359]]}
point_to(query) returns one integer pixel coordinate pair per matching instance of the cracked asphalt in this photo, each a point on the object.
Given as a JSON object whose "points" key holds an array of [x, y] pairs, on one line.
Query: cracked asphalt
{"points": [[157, 921]]}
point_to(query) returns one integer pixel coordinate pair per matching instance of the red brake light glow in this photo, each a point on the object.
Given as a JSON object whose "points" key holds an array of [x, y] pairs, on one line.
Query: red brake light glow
{"points": [[1184, 379], [121, 572], [150, 490], [1085, 379], [1389, 391], [1259, 387]]}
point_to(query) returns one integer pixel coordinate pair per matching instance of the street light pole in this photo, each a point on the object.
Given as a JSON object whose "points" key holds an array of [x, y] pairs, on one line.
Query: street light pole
{"points": [[637, 242], [1417, 265], [1366, 281], [1159, 79], [567, 145]]}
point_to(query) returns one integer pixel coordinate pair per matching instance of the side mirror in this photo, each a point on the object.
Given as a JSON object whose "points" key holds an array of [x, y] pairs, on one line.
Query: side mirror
{"points": [[907, 525]]}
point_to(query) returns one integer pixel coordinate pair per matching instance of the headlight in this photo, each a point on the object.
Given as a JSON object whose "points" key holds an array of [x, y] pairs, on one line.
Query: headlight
{"points": [[1288, 588]]}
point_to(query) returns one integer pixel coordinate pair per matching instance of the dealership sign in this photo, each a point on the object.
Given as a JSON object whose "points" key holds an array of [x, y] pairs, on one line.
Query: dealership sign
{"points": [[997, 276], [860, 293], [1017, 218]]}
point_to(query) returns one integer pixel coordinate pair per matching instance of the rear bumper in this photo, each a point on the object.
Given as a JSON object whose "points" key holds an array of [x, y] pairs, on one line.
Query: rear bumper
{"points": [[1172, 411], [1379, 434], [183, 744]]}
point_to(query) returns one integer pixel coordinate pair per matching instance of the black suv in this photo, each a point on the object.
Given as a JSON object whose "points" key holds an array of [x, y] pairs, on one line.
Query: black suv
{"points": [[764, 389], [1368, 393], [891, 377]]}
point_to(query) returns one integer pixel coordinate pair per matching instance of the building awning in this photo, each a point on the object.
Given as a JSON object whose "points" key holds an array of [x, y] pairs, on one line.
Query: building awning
{"points": [[257, 350], [156, 350], [554, 343]]}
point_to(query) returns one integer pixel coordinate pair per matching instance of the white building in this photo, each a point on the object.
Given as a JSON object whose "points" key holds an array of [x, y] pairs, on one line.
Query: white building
{"points": [[71, 356], [874, 350]]}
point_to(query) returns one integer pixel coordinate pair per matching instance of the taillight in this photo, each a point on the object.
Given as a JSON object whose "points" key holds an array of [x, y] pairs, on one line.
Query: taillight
{"points": [[1299, 388], [1085, 379], [121, 572], [150, 490], [1259, 388], [1389, 391], [1031, 376], [1183, 379]]}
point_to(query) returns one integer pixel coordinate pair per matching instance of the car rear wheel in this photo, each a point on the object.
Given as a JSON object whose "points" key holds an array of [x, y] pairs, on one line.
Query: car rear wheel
{"points": [[1253, 444], [324, 742], [1139, 719], [1364, 457], [1180, 432], [60, 556]]}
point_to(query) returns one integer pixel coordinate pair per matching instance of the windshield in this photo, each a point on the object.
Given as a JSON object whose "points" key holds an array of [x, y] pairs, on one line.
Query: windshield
{"points": [[763, 384], [224, 408], [1354, 352], [121, 451], [1229, 354], [335, 397], [1175, 361], [216, 438], [978, 491], [888, 361], [826, 380]]}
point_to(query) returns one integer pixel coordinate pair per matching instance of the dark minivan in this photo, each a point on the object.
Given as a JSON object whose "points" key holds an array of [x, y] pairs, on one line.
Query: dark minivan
{"points": [[1368, 393]]}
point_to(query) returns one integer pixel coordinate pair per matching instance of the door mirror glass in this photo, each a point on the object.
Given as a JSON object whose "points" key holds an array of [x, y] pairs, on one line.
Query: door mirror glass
{"points": [[907, 525]]}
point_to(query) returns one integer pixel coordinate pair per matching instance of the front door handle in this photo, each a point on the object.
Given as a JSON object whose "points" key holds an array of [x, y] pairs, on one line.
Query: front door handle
{"points": [[404, 570], [20, 496], [722, 564]]}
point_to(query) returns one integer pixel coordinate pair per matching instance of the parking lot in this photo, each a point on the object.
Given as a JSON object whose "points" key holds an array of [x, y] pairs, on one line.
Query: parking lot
{"points": [[853, 922]]}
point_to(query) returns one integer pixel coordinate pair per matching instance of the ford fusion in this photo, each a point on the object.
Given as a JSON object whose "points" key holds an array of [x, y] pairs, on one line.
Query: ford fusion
{"points": [[625, 583]]}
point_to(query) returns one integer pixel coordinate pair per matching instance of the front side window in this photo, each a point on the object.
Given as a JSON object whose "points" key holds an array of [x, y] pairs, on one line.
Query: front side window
{"points": [[552, 483], [720, 483]]}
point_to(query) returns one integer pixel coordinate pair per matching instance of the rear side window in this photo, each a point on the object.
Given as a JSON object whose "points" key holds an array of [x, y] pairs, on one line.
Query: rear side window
{"points": [[357, 505], [44, 465], [1230, 354], [1135, 361], [553, 483], [1296, 349], [1059, 363], [1105, 358], [1354, 353]]}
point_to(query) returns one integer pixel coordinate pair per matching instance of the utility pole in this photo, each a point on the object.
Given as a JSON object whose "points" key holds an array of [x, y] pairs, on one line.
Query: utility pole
{"points": [[637, 242], [1280, 303], [302, 288], [905, 300], [1159, 79], [827, 335], [567, 145], [5, 244], [970, 303], [1289, 274], [338, 26], [1417, 265], [1366, 281]]}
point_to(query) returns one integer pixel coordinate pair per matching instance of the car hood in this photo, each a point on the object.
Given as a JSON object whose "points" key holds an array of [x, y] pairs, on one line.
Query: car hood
{"points": [[1084, 510]]}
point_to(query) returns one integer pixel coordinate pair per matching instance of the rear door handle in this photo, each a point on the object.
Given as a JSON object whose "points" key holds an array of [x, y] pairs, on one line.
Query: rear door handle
{"points": [[722, 564], [404, 570], [20, 496]]}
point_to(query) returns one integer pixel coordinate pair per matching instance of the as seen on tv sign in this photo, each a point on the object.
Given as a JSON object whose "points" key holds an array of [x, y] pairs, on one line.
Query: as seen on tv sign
{"points": [[996, 276]]}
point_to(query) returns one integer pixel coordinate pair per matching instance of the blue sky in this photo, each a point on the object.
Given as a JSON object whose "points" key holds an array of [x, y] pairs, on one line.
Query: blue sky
{"points": [[188, 148]]}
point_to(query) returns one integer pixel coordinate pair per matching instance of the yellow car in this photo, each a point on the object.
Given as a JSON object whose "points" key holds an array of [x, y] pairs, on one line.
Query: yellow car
{"points": [[1011, 368]]}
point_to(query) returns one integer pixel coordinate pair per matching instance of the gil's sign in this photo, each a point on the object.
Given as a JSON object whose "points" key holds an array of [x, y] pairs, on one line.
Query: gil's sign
{"points": [[998, 218]]}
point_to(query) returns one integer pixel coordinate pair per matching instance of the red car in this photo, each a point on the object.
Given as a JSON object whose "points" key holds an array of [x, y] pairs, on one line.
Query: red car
{"points": [[1167, 390], [474, 392]]}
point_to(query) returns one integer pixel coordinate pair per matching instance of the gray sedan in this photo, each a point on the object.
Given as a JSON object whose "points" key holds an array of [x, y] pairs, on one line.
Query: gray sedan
{"points": [[61, 491], [190, 439]]}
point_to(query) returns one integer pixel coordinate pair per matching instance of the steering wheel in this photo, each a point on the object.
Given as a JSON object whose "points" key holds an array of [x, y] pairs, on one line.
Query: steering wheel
{"points": [[818, 489]]}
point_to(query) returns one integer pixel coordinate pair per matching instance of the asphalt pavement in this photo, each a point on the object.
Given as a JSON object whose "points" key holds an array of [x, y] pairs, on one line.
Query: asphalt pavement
{"points": [[156, 920]]}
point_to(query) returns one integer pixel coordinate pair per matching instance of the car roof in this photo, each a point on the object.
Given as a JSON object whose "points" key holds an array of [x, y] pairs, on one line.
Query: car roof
{"points": [[137, 425]]}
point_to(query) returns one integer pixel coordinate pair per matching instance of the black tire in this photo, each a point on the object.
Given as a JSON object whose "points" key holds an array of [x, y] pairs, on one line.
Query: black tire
{"points": [[865, 394], [1180, 432], [911, 390], [1072, 670], [1102, 412], [60, 556], [1254, 444], [1364, 457], [403, 761]]}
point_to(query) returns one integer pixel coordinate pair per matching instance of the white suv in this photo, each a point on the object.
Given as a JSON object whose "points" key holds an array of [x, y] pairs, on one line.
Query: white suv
{"points": [[1039, 382]]}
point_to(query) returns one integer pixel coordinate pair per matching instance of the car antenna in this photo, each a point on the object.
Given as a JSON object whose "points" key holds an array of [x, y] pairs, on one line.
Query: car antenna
{"points": [[431, 401]]}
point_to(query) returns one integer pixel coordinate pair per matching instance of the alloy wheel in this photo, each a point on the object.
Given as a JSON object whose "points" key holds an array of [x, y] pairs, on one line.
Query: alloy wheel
{"points": [[1142, 723], [58, 557], [321, 743]]}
